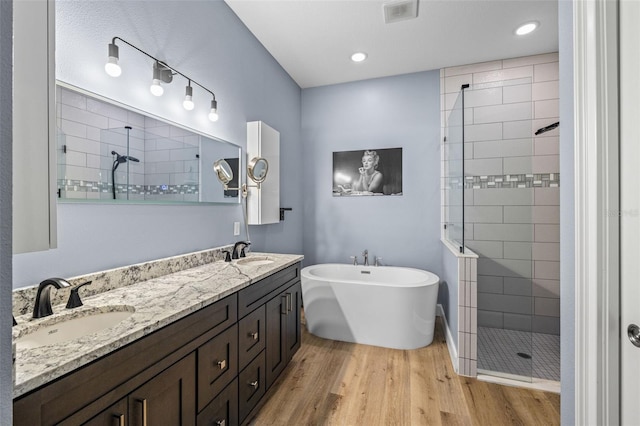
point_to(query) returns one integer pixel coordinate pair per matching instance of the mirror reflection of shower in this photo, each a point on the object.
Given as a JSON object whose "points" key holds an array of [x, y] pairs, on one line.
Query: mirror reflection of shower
{"points": [[119, 159]]}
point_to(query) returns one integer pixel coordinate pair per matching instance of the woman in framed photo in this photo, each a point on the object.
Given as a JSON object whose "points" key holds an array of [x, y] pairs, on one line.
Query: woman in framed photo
{"points": [[370, 179]]}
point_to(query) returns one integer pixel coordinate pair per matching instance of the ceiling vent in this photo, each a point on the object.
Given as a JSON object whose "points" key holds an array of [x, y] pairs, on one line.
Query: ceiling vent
{"points": [[400, 10]]}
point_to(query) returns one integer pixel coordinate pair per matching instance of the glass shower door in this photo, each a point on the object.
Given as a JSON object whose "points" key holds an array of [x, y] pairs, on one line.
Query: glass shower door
{"points": [[498, 213]]}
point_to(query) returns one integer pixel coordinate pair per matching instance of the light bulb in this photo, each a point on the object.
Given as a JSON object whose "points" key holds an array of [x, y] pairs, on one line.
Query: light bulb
{"points": [[188, 98], [188, 103], [213, 115], [155, 88], [112, 68]]}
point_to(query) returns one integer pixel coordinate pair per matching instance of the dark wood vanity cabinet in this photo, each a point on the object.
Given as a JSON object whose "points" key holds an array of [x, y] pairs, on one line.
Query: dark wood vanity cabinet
{"points": [[212, 367], [167, 399], [283, 330]]}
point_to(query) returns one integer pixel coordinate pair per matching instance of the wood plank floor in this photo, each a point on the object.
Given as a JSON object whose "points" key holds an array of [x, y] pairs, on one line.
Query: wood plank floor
{"points": [[338, 383]]}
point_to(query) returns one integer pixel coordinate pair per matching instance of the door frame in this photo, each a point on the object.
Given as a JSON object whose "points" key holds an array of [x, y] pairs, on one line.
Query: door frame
{"points": [[597, 285]]}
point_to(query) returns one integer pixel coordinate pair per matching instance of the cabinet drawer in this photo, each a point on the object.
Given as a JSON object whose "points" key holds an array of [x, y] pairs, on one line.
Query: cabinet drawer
{"points": [[223, 410], [217, 365], [251, 384], [257, 294], [251, 336]]}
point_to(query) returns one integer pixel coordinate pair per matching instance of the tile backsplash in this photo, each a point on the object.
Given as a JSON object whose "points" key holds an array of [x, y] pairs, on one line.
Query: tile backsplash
{"points": [[23, 298]]}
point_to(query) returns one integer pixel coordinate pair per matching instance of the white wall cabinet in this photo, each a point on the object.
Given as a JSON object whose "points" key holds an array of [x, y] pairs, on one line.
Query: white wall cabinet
{"points": [[34, 143], [263, 203]]}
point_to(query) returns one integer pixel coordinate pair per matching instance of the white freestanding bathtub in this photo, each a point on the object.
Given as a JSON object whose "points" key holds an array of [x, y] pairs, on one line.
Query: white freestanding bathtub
{"points": [[386, 306]]}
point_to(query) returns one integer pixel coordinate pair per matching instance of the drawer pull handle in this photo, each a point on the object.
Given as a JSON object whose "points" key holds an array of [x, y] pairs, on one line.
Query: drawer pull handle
{"points": [[120, 419], [254, 336], [144, 411], [289, 303], [254, 384], [222, 364], [221, 423]]}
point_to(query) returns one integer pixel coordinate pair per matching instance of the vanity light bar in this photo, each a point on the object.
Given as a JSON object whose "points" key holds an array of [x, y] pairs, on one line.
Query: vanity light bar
{"points": [[162, 73]]}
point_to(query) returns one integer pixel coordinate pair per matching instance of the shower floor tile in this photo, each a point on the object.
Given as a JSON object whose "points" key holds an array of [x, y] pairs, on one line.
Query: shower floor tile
{"points": [[498, 351]]}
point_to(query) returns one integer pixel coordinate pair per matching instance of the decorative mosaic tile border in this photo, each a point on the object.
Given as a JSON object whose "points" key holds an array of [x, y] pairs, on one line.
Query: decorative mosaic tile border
{"points": [[528, 180], [23, 298], [73, 185]]}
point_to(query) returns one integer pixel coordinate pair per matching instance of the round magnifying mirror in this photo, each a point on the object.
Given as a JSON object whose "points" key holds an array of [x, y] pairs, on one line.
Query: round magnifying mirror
{"points": [[257, 169], [224, 171]]}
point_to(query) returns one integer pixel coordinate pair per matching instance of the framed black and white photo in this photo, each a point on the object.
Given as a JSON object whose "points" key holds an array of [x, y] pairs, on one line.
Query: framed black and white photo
{"points": [[367, 172]]}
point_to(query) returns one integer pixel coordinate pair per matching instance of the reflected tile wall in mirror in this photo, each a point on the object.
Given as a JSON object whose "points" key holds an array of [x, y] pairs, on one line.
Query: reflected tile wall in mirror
{"points": [[171, 159]]}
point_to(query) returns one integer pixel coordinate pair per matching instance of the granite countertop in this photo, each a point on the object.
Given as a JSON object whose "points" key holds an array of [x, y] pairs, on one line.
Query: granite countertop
{"points": [[157, 303]]}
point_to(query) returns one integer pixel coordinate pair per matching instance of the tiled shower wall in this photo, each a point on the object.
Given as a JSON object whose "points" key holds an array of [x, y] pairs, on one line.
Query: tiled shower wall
{"points": [[168, 169], [511, 188]]}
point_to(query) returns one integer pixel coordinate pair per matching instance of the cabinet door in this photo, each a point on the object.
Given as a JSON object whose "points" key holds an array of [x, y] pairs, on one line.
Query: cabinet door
{"points": [[294, 332], [223, 410], [34, 153], [167, 399], [116, 415], [276, 353]]}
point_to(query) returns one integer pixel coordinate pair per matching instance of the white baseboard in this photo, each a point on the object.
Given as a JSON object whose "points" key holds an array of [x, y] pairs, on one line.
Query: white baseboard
{"points": [[453, 352]]}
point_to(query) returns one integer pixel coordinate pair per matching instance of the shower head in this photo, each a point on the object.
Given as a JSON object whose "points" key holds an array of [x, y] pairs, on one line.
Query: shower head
{"points": [[124, 158]]}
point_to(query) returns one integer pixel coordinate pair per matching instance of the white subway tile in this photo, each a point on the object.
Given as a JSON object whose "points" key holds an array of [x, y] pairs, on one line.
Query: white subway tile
{"points": [[483, 132], [518, 129], [461, 312], [83, 116], [503, 113], [547, 196], [517, 93], [106, 110], [546, 164], [72, 128], [483, 97], [72, 98], [546, 72], [547, 233], [473, 340], [546, 90], [93, 161], [547, 270], [74, 158], [473, 368], [473, 68], [546, 145], [453, 84], [530, 60], [502, 75], [547, 109]]}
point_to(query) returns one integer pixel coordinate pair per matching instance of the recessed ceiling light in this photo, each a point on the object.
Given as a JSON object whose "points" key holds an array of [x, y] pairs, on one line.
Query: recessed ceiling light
{"points": [[358, 57], [527, 28]]}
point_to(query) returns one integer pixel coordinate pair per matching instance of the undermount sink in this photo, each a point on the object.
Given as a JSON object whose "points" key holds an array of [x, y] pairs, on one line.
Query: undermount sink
{"points": [[255, 261], [72, 326]]}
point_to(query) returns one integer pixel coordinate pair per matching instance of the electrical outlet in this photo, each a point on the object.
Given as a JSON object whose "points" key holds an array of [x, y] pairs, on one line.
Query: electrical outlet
{"points": [[236, 228]]}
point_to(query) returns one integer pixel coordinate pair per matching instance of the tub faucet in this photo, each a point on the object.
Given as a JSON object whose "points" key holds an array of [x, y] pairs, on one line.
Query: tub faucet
{"points": [[42, 306], [365, 254], [355, 260]]}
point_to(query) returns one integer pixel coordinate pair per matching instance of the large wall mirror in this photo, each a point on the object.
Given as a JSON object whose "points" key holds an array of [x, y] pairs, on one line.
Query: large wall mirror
{"points": [[110, 153]]}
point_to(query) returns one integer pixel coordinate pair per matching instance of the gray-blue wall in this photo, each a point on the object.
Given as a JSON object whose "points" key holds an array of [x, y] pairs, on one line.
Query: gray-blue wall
{"points": [[567, 225], [400, 111], [211, 45], [6, 55]]}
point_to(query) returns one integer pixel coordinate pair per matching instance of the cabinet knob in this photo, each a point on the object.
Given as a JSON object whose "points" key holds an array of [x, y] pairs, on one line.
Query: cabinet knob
{"points": [[254, 384], [222, 364], [221, 423], [254, 336]]}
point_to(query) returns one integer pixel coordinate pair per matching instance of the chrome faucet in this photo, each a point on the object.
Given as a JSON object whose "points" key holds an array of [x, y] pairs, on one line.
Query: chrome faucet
{"points": [[42, 307], [235, 254], [366, 257]]}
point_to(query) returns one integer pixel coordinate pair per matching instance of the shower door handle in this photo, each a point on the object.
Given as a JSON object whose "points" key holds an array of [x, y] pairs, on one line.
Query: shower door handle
{"points": [[633, 331]]}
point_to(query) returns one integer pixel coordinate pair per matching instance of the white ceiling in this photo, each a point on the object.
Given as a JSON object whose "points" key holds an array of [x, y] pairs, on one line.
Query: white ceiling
{"points": [[313, 39]]}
